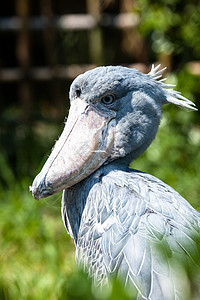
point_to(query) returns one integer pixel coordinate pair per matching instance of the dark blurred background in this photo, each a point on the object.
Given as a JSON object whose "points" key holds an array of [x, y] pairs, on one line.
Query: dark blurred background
{"points": [[44, 45]]}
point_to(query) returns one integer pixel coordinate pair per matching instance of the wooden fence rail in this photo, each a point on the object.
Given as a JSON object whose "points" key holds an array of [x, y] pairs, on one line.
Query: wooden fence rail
{"points": [[71, 22], [47, 73]]}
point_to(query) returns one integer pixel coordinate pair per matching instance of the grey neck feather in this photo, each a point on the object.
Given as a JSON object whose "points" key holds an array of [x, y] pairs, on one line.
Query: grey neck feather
{"points": [[136, 126]]}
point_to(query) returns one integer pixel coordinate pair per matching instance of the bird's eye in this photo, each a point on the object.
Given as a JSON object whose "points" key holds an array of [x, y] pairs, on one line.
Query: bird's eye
{"points": [[108, 100]]}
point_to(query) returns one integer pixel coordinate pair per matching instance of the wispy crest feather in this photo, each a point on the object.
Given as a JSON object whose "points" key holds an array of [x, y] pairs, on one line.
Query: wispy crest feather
{"points": [[172, 96]]}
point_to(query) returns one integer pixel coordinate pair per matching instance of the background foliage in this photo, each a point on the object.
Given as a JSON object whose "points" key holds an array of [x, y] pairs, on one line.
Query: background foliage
{"points": [[37, 256]]}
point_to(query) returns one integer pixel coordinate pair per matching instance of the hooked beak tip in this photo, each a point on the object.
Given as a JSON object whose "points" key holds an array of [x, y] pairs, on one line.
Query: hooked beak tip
{"points": [[40, 189]]}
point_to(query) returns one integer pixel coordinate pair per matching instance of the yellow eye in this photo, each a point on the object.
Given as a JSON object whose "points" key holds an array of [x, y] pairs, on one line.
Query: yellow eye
{"points": [[108, 99]]}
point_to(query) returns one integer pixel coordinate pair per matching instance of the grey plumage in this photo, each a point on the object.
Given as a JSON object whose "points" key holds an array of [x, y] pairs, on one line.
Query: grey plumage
{"points": [[118, 217], [127, 213]]}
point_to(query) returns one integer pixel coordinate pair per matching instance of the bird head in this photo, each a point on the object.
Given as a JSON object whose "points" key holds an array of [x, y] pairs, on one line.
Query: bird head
{"points": [[114, 114]]}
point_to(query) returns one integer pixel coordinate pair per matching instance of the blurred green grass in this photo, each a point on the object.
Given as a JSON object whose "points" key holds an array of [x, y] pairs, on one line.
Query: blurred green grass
{"points": [[36, 253]]}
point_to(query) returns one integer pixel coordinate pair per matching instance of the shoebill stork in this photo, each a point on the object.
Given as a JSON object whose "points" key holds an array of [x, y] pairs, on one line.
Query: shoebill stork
{"points": [[116, 215]]}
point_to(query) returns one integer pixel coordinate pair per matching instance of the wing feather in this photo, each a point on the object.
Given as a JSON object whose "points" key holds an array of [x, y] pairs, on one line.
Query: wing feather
{"points": [[125, 225]]}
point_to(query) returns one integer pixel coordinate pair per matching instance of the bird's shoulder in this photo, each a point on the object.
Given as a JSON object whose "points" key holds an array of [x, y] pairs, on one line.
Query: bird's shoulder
{"points": [[126, 215], [138, 193]]}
